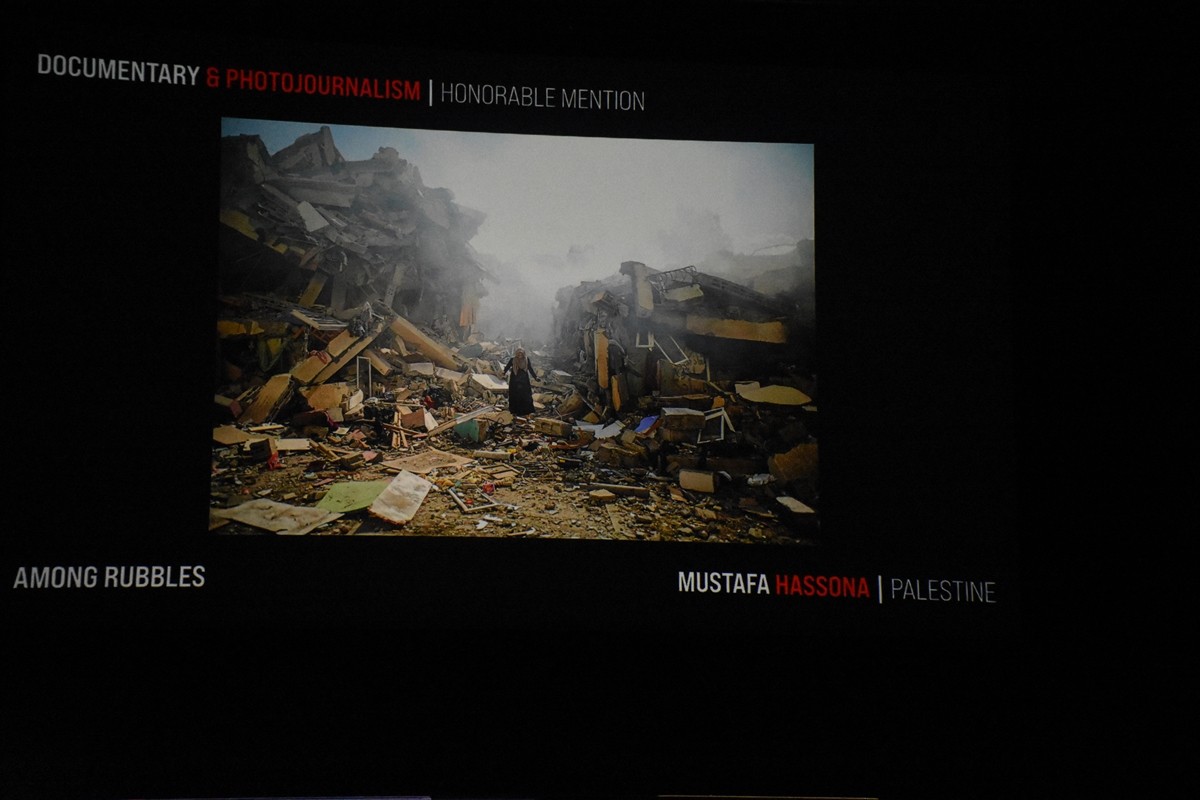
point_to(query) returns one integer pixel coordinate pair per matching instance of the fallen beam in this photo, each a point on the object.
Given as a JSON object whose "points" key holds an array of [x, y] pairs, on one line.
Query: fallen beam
{"points": [[773, 332], [426, 345]]}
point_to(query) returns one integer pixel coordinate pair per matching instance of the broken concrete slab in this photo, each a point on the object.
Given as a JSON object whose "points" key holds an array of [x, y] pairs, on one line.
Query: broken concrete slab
{"points": [[682, 419], [270, 397], [450, 376], [698, 480], [553, 427], [379, 362], [774, 394], [617, 456], [601, 431], [682, 294], [326, 396], [230, 435], [794, 505], [423, 343], [425, 369], [798, 464], [772, 332], [489, 383]]}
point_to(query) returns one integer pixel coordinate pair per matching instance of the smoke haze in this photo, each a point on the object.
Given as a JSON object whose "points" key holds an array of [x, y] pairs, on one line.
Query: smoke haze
{"points": [[562, 209]]}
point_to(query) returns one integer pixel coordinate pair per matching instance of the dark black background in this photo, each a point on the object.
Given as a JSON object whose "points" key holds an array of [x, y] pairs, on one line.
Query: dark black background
{"points": [[518, 672]]}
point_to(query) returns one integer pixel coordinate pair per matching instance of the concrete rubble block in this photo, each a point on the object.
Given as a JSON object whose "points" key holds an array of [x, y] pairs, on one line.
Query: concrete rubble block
{"points": [[601, 496], [379, 362], [682, 419], [572, 405], [353, 403], [683, 293], [230, 435], [262, 449], [493, 455], [794, 505], [423, 343], [351, 461], [797, 464], [618, 456], [489, 383], [498, 417], [450, 376], [270, 397], [326, 396], [413, 420], [698, 480], [553, 427]]}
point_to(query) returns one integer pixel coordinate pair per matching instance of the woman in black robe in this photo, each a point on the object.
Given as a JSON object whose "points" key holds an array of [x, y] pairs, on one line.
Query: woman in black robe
{"points": [[520, 392]]}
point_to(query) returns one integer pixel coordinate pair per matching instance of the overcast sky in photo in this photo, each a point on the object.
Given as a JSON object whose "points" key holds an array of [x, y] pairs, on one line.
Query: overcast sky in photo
{"points": [[604, 200]]}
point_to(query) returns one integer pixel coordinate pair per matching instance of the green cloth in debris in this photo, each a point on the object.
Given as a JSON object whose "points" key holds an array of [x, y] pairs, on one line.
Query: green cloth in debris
{"points": [[352, 495]]}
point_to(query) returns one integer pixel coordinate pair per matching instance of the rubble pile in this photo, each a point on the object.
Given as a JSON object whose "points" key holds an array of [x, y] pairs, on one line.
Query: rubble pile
{"points": [[354, 395], [309, 224]]}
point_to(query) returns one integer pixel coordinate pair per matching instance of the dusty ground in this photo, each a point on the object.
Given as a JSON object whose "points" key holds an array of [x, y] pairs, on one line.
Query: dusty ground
{"points": [[549, 496]]}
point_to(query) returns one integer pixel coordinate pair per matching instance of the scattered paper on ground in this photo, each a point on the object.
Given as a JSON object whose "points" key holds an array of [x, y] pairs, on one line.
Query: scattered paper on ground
{"points": [[427, 462], [400, 501], [350, 496], [278, 517]]}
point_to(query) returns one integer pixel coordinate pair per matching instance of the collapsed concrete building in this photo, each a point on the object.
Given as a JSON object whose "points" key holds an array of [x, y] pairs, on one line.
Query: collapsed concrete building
{"points": [[655, 331], [722, 373], [341, 234], [324, 261]]}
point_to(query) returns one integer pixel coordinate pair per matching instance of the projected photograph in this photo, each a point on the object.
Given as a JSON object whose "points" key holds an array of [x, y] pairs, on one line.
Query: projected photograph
{"points": [[457, 334]]}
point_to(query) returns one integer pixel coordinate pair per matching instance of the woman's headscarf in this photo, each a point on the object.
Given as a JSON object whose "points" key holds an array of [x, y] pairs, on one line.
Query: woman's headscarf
{"points": [[520, 361]]}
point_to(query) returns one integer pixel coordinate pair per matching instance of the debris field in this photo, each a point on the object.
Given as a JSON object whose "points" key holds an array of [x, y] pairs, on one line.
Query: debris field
{"points": [[356, 396]]}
